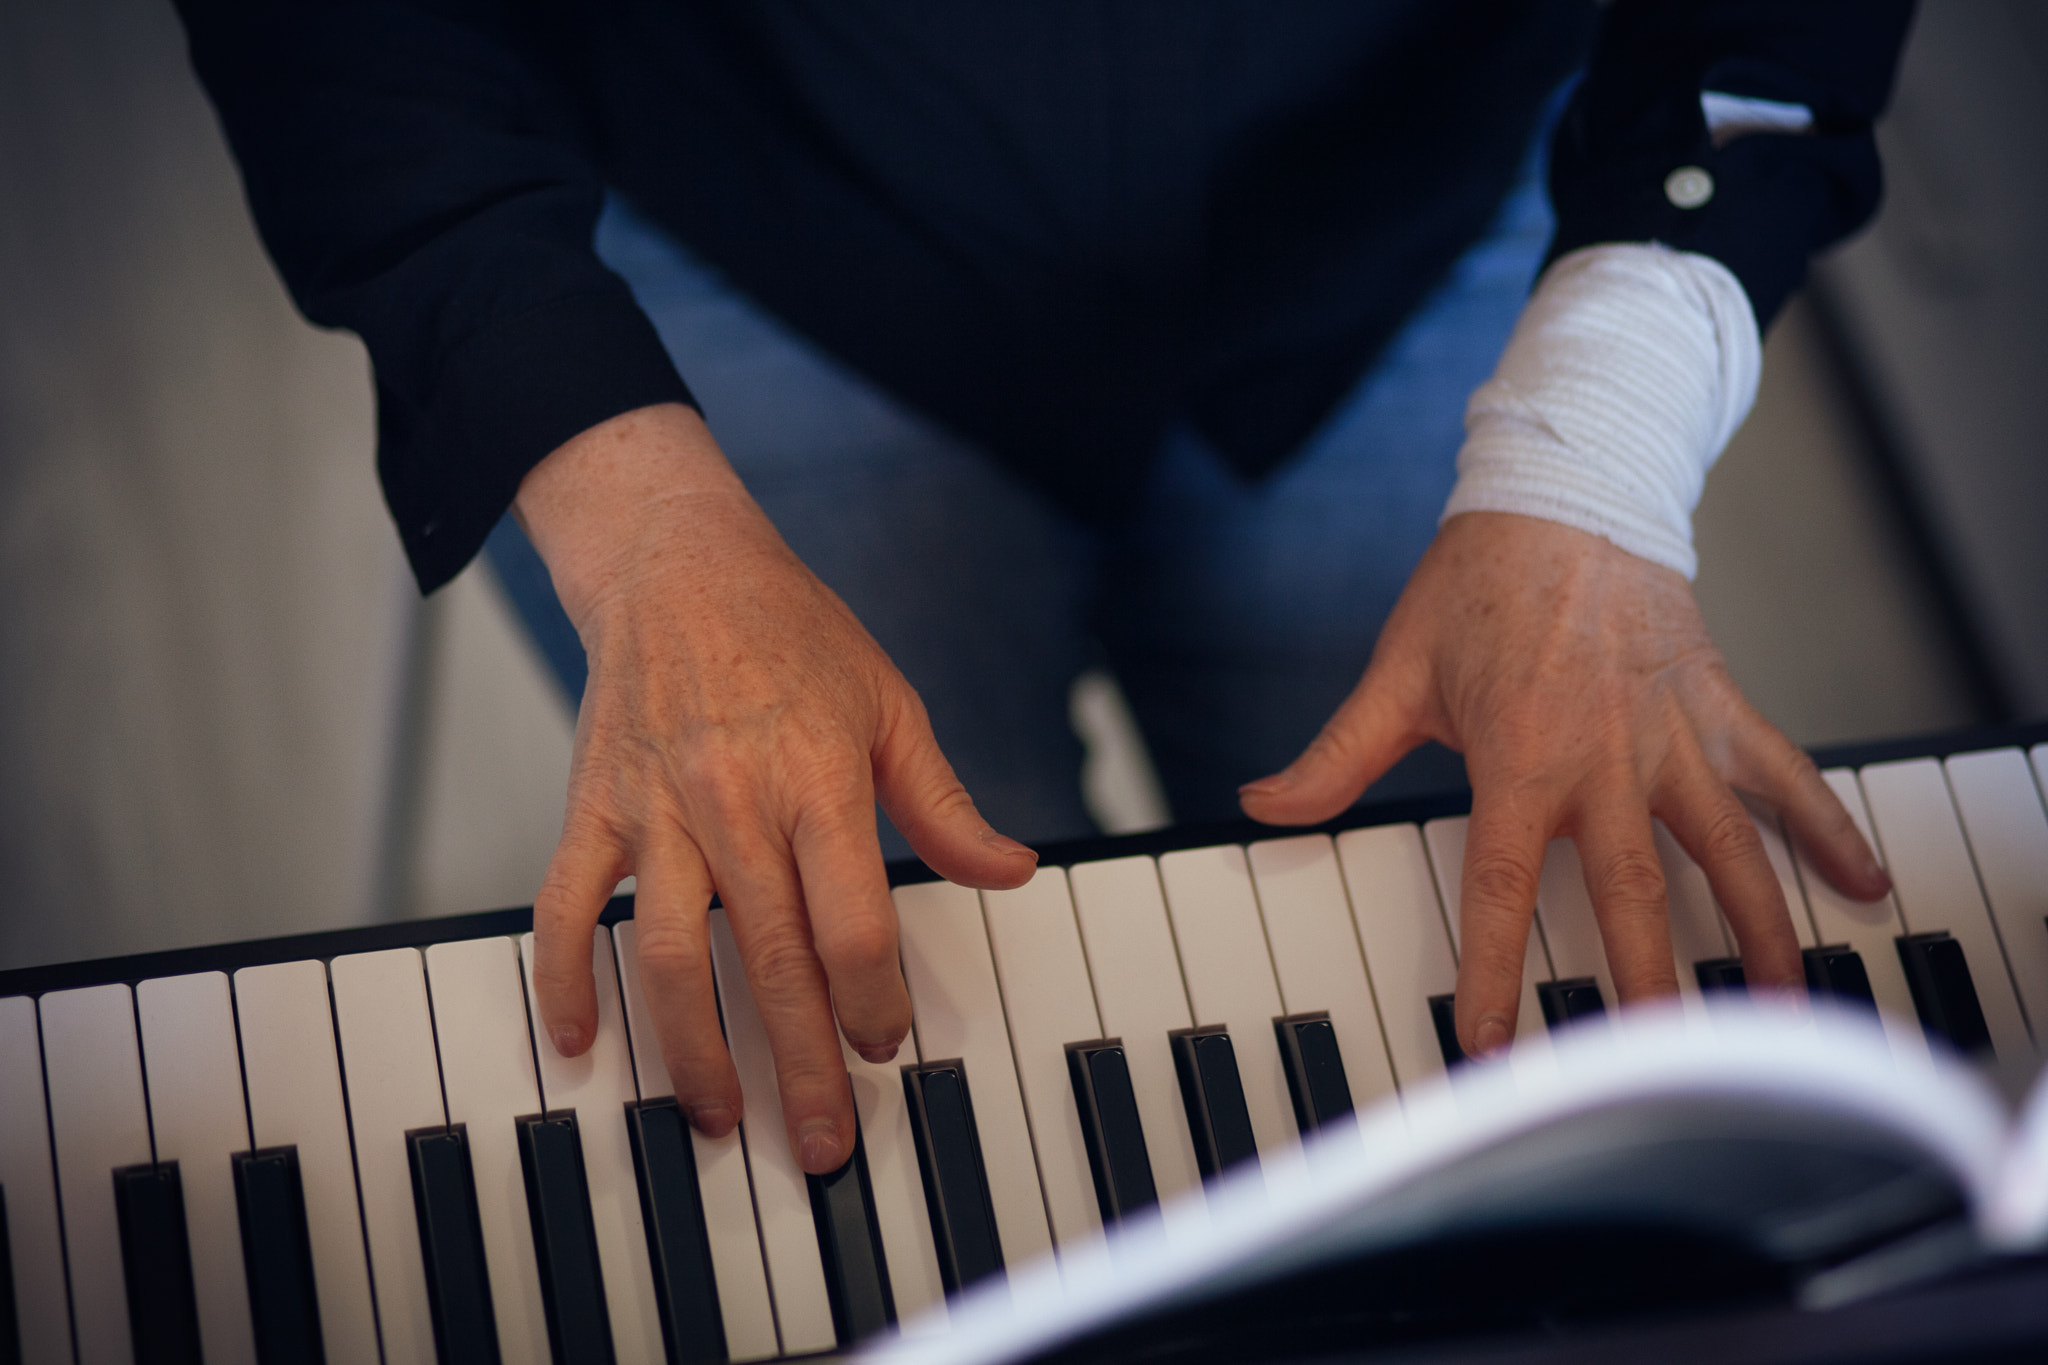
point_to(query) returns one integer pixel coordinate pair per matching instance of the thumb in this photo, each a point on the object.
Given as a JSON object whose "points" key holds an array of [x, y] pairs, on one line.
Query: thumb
{"points": [[917, 787], [1370, 732]]}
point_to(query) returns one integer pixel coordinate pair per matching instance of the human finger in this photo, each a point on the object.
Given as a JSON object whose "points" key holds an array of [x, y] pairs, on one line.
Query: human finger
{"points": [[586, 867], [672, 948], [1367, 735], [1713, 826], [1625, 880], [853, 922], [1497, 900], [757, 880], [927, 804], [1772, 767]]}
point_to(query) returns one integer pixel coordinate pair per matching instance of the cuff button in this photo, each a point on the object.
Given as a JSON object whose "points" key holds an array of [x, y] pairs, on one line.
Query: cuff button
{"points": [[1688, 187]]}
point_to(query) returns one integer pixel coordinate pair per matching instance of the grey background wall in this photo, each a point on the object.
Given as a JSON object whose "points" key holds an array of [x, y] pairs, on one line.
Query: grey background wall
{"points": [[224, 714]]}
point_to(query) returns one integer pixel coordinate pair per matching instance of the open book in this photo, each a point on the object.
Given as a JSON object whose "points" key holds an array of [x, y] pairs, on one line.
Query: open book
{"points": [[1654, 1161]]}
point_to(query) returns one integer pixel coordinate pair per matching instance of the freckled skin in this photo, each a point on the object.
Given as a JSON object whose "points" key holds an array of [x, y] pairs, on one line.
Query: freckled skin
{"points": [[1580, 684], [739, 725], [736, 731]]}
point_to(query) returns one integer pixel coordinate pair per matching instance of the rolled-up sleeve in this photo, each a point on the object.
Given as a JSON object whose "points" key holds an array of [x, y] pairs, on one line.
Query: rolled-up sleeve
{"points": [[418, 178], [1634, 159]]}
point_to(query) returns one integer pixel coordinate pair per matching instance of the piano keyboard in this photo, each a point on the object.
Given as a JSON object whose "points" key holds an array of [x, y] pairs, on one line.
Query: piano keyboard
{"points": [[353, 1147]]}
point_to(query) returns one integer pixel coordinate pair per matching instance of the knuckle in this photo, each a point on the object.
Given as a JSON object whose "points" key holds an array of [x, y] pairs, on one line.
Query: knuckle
{"points": [[946, 798], [1729, 837], [1796, 767], [669, 956], [1632, 878], [781, 962], [559, 919], [559, 904], [1334, 745], [556, 980], [861, 944], [836, 778], [718, 772], [1500, 881]]}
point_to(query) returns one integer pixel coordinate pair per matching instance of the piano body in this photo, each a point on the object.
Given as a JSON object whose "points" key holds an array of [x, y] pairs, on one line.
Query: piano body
{"points": [[352, 1146]]}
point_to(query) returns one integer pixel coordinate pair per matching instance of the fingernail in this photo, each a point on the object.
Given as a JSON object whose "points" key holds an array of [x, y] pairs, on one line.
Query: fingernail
{"points": [[713, 1119], [567, 1038], [1874, 870], [1003, 843], [817, 1147], [1268, 786], [1491, 1036], [878, 1055]]}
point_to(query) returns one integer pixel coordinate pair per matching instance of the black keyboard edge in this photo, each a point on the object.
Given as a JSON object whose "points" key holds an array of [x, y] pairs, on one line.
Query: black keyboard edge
{"points": [[421, 933]]}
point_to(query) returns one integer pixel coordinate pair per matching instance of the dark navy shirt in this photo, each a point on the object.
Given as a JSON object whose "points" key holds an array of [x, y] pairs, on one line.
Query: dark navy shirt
{"points": [[1055, 226]]}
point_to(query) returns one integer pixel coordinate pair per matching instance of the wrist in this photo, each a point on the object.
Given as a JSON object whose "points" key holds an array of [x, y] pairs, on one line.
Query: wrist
{"points": [[627, 495]]}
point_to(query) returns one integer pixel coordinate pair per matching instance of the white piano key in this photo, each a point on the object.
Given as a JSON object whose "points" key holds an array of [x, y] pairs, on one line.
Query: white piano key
{"points": [[1697, 934], [1571, 931], [782, 1197], [898, 1187], [394, 1085], [99, 1120], [1139, 996], [1936, 885], [293, 1080], [1049, 1003], [1870, 927], [1230, 981], [1445, 840], [487, 1077], [1401, 924], [2008, 833], [1316, 957], [722, 1184], [599, 1085], [952, 978], [199, 1119], [30, 1183]]}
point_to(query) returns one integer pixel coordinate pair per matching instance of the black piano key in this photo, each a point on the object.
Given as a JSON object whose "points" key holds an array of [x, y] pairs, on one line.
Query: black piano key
{"points": [[10, 1319], [1573, 998], [1944, 996], [1837, 970], [850, 1245], [1315, 1070], [156, 1260], [1213, 1095], [564, 1238], [1443, 1015], [277, 1256], [452, 1246], [1110, 1128], [665, 1163], [955, 1182], [1720, 974]]}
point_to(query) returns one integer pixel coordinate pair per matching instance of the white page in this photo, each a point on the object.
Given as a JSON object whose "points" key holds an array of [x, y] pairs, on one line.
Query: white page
{"points": [[1842, 1068]]}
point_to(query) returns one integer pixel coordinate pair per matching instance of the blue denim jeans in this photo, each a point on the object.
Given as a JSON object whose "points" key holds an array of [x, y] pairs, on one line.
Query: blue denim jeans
{"points": [[1236, 615]]}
